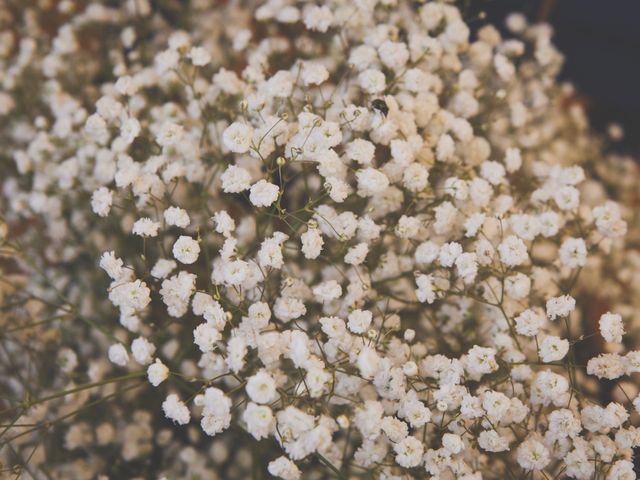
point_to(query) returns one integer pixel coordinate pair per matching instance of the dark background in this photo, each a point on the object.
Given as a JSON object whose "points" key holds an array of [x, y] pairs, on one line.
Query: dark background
{"points": [[601, 43]]}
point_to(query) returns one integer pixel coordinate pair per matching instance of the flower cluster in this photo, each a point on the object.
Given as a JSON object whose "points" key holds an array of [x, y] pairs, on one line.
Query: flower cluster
{"points": [[356, 231]]}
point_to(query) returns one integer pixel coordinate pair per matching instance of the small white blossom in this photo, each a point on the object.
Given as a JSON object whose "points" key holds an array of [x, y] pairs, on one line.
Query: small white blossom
{"points": [[553, 348], [560, 306], [176, 216], [261, 388], [157, 373], [513, 251], [235, 179], [175, 410], [101, 201], [118, 354], [145, 227], [237, 137], [199, 56], [186, 250], [611, 327], [372, 81], [263, 193]]}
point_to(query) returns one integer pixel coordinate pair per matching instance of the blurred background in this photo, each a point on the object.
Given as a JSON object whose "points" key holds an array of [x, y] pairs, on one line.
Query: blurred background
{"points": [[601, 44]]}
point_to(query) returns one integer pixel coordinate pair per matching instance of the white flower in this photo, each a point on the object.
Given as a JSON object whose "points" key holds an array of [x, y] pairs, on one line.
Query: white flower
{"points": [[287, 308], [175, 409], [284, 468], [481, 361], [145, 227], [134, 295], [563, 423], [553, 348], [129, 130], [224, 223], [513, 251], [112, 265], [261, 388], [235, 179], [491, 441], [199, 56], [270, 253], [452, 443], [548, 386], [259, 419], [549, 223], [426, 289], [216, 411], [170, 134], [493, 172], [235, 272], [409, 452], [394, 429], [176, 216], [529, 323], [427, 252], [166, 60], [560, 306], [142, 350], [496, 404], [608, 220], [525, 226], [357, 254], [449, 252], [371, 182], [408, 227], [567, 198], [393, 54], [622, 470], [573, 253], [611, 327], [467, 267], [108, 108], [338, 189], [280, 84], [445, 148], [532, 455], [513, 159], [237, 137], [118, 354], [360, 150], [327, 291], [186, 250], [362, 56], [416, 177], [518, 286], [101, 201], [312, 243], [314, 73], [236, 351], [163, 268], [157, 373], [359, 321], [372, 81], [96, 127], [126, 85], [263, 193], [205, 336], [318, 18], [368, 362]]}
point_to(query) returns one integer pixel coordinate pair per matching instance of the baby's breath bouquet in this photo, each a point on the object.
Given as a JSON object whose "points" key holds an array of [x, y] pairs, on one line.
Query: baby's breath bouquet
{"points": [[333, 239]]}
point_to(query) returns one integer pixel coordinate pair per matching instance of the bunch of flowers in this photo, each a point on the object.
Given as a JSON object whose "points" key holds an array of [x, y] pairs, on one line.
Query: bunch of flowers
{"points": [[348, 239]]}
